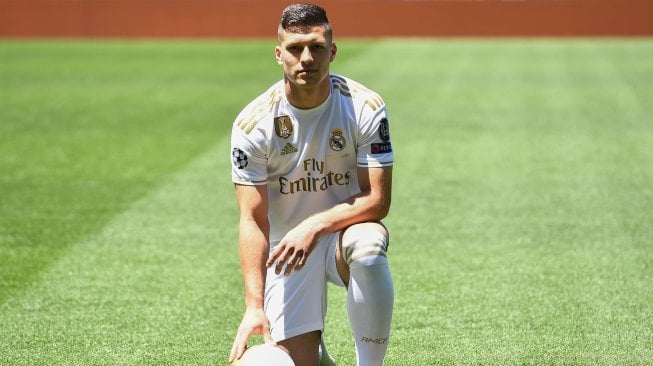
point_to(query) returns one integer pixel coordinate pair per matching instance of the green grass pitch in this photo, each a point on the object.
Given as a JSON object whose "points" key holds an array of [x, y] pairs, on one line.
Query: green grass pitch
{"points": [[521, 226]]}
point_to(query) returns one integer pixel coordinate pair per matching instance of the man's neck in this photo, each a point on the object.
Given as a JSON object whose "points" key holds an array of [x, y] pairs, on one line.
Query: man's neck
{"points": [[308, 97]]}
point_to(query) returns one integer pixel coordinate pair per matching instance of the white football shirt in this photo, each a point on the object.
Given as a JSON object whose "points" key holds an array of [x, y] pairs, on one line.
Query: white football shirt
{"points": [[308, 157]]}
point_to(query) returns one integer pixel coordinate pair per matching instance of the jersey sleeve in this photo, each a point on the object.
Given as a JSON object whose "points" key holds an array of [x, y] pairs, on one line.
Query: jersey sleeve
{"points": [[248, 158], [374, 146]]}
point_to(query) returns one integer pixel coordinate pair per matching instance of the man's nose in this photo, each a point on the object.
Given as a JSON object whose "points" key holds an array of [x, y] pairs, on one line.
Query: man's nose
{"points": [[306, 56]]}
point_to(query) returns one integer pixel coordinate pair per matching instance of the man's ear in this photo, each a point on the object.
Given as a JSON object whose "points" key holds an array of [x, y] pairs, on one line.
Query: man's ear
{"points": [[334, 51], [277, 54]]}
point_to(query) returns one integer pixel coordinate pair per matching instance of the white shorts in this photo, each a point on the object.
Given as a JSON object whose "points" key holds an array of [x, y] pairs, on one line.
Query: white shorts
{"points": [[297, 304]]}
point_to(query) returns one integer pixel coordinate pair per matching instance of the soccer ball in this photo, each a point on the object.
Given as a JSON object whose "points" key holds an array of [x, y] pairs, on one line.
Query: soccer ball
{"points": [[264, 355]]}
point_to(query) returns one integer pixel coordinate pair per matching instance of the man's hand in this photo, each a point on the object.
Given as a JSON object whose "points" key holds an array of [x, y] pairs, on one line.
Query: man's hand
{"points": [[294, 248], [254, 322]]}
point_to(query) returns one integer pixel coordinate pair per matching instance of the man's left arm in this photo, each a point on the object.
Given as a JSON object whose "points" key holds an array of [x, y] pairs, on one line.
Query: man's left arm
{"points": [[371, 204]]}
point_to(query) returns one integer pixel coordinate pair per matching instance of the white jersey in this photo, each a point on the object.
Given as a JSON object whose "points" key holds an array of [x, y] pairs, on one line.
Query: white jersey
{"points": [[309, 157]]}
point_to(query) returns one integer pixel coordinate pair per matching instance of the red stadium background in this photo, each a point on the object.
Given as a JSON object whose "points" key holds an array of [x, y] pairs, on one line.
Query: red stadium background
{"points": [[358, 18]]}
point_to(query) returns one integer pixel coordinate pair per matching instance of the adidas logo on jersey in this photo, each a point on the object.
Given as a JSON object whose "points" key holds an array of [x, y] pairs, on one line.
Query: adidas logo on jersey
{"points": [[288, 149]]}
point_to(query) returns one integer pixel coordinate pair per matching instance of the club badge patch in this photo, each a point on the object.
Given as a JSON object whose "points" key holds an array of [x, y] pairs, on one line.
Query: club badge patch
{"points": [[283, 126], [239, 158], [384, 130], [337, 141]]}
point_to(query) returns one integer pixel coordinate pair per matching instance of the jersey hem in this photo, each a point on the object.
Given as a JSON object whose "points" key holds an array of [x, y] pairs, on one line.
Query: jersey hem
{"points": [[374, 164], [249, 183]]}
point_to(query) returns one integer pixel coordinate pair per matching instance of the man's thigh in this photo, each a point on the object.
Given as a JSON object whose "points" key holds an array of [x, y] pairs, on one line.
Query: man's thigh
{"points": [[296, 304]]}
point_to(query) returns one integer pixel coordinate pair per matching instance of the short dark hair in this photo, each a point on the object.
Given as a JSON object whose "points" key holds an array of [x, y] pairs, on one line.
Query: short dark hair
{"points": [[299, 18]]}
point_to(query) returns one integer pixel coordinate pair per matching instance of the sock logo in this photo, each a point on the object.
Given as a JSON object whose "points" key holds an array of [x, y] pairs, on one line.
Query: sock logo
{"points": [[375, 340]]}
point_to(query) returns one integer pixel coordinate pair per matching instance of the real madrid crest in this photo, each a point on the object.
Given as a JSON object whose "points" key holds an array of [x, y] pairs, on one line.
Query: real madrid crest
{"points": [[337, 141], [283, 126]]}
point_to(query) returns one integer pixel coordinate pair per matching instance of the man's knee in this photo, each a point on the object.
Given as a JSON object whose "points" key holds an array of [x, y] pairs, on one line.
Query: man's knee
{"points": [[364, 244]]}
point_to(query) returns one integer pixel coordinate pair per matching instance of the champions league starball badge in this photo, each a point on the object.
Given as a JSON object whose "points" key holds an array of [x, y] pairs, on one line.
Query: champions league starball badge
{"points": [[337, 141], [239, 158]]}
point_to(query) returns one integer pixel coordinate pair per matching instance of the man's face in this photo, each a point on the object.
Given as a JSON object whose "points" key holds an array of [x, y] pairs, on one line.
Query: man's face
{"points": [[306, 56]]}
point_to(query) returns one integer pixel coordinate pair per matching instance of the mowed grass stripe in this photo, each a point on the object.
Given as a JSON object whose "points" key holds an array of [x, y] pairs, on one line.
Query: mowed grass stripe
{"points": [[158, 285], [86, 128], [521, 201]]}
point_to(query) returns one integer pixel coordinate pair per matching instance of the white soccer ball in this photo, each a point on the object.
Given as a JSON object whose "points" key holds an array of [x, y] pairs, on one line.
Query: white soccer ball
{"points": [[264, 355]]}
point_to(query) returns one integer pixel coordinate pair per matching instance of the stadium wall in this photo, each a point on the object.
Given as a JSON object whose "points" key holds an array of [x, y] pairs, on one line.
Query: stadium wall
{"points": [[358, 18]]}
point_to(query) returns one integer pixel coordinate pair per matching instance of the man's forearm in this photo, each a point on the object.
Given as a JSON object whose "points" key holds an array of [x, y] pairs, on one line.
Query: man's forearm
{"points": [[372, 204], [254, 249], [356, 209]]}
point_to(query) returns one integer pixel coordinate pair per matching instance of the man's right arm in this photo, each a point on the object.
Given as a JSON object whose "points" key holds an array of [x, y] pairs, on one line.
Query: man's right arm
{"points": [[253, 234], [253, 246]]}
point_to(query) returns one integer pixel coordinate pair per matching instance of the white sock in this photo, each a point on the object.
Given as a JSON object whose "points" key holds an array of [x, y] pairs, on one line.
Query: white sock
{"points": [[325, 358], [370, 298]]}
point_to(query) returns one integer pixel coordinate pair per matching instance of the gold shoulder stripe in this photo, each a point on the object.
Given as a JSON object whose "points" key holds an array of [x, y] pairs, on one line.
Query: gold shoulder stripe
{"points": [[373, 103], [258, 109], [371, 98], [351, 88], [275, 96], [248, 127]]}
